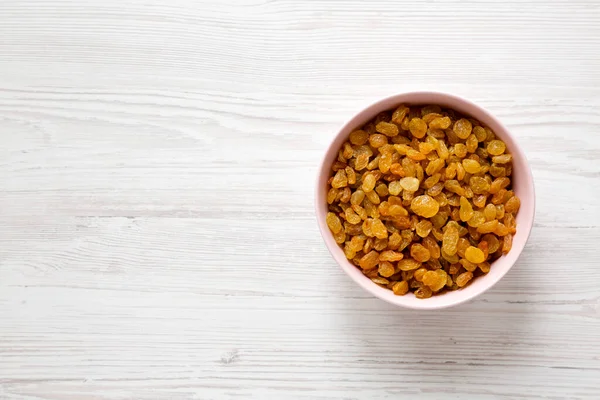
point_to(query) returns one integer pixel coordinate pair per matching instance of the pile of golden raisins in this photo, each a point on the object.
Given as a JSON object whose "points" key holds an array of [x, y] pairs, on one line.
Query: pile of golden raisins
{"points": [[420, 199]]}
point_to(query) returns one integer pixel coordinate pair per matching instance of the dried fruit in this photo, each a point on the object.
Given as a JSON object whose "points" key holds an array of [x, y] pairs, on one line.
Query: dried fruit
{"points": [[400, 288], [479, 133], [474, 255], [423, 228], [386, 269], [424, 206], [470, 166], [479, 185], [489, 212], [399, 114], [440, 123], [462, 128], [333, 222], [476, 220], [340, 179], [390, 255], [339, 237], [434, 166], [379, 229], [492, 241], [479, 200], [408, 264], [512, 205], [436, 280], [359, 137], [331, 195], [387, 128], [394, 188], [450, 240], [496, 147], [466, 210], [410, 184], [369, 260], [419, 253], [423, 292], [460, 150], [464, 278], [471, 144], [507, 244], [352, 217], [369, 182], [417, 127], [503, 159], [468, 265], [380, 281], [426, 211]]}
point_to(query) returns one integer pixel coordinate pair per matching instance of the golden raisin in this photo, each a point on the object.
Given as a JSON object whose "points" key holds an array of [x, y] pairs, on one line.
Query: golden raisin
{"points": [[424, 206], [434, 166], [333, 222], [488, 227], [460, 150], [377, 140], [471, 166], [352, 217], [379, 229], [479, 200], [369, 182], [468, 265], [387, 128], [394, 188], [464, 278], [340, 179], [498, 184], [369, 260], [423, 292], [436, 280], [419, 253], [386, 269], [380, 281], [462, 128], [474, 255], [507, 244], [450, 240], [423, 228], [390, 255], [479, 133], [489, 212], [471, 144], [417, 127], [502, 159], [339, 237], [408, 264], [359, 137], [331, 195], [399, 114], [496, 147], [512, 205], [479, 185], [400, 288], [410, 184], [440, 123], [466, 210]]}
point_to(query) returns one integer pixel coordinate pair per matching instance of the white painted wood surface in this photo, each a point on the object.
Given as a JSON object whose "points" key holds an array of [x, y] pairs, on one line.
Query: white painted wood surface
{"points": [[157, 237]]}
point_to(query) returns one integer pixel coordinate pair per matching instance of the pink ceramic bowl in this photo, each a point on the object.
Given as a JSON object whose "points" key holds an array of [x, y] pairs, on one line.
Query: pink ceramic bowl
{"points": [[522, 185]]}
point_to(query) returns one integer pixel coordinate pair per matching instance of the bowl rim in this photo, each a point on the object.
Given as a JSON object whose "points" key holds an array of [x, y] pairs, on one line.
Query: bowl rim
{"points": [[383, 104]]}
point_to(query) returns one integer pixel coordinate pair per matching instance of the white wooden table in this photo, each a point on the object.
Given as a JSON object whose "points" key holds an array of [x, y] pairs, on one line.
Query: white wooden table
{"points": [[157, 236]]}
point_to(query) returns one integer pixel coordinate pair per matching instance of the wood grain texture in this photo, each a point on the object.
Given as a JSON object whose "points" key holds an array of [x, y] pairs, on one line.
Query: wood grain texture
{"points": [[157, 236]]}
